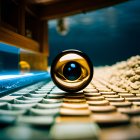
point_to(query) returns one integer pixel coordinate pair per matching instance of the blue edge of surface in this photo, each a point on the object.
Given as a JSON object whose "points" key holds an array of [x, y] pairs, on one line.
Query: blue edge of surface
{"points": [[18, 80], [9, 84]]}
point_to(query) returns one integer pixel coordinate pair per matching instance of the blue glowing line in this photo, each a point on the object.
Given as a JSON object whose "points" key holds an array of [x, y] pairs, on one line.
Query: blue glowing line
{"points": [[8, 48]]}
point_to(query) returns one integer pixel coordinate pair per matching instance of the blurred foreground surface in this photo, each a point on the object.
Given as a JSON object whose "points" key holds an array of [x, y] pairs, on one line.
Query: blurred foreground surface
{"points": [[108, 108]]}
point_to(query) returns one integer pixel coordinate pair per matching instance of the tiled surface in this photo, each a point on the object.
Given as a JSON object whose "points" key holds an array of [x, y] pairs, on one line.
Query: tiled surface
{"points": [[88, 114]]}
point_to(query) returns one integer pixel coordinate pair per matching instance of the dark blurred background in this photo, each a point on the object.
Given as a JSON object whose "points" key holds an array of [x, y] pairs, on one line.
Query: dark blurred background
{"points": [[9, 57], [107, 35]]}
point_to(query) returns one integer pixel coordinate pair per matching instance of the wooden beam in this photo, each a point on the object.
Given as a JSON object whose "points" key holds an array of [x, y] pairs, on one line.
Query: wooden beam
{"points": [[44, 2], [70, 7], [43, 37], [32, 9], [0, 11], [21, 18], [20, 41]]}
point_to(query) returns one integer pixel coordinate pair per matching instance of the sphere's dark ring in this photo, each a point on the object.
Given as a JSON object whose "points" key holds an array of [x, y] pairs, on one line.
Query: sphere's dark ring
{"points": [[76, 52]]}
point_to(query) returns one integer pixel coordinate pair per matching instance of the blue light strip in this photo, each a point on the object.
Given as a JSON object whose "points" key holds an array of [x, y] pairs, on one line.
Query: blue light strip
{"points": [[9, 84], [8, 48]]}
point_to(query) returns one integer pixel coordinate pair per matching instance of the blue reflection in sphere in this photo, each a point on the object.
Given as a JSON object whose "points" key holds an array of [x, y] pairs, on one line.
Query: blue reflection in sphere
{"points": [[72, 71]]}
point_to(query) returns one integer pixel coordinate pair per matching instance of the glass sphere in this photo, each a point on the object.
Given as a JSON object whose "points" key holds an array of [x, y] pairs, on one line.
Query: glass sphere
{"points": [[72, 70]]}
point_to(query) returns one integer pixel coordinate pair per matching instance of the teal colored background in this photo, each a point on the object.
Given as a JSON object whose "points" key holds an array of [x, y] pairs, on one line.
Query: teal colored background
{"points": [[107, 35]]}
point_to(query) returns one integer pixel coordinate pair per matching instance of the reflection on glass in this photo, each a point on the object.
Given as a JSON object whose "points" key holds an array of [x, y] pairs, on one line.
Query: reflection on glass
{"points": [[24, 66], [72, 70]]}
